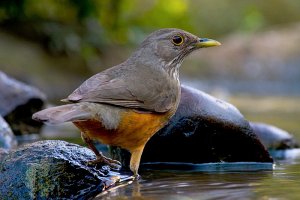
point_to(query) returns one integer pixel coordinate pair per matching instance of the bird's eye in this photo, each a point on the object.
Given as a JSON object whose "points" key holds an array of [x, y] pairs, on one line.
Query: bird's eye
{"points": [[177, 40]]}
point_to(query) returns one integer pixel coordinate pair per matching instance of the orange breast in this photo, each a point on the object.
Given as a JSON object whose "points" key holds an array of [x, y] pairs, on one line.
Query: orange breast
{"points": [[134, 129]]}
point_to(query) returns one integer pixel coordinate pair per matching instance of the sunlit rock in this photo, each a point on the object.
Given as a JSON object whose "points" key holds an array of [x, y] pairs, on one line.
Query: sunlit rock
{"points": [[7, 138]]}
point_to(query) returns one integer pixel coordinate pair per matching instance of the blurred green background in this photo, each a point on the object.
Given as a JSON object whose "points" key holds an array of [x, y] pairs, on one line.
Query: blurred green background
{"points": [[56, 44]]}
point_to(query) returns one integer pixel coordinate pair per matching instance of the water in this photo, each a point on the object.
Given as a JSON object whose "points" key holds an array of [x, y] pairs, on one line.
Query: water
{"points": [[283, 182]]}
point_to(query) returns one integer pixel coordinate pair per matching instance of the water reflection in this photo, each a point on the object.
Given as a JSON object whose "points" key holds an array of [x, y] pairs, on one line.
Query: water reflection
{"points": [[190, 185], [281, 183], [284, 184]]}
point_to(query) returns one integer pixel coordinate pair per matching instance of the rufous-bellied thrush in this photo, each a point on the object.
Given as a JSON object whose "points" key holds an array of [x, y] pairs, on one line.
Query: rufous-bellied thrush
{"points": [[127, 104]]}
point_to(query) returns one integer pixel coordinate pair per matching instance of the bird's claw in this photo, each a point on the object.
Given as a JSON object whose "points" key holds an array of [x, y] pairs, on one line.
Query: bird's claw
{"points": [[113, 164]]}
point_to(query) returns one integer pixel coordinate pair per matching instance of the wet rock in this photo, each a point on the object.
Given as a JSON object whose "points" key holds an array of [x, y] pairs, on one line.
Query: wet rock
{"points": [[52, 170], [18, 102], [274, 138], [7, 138], [204, 129], [3, 153]]}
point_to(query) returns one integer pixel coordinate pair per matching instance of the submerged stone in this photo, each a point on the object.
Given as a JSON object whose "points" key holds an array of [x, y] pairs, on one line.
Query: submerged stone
{"points": [[203, 130], [274, 138], [18, 101], [52, 170], [7, 138]]}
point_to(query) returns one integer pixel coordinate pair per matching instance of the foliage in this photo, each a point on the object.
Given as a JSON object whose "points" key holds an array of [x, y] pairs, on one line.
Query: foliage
{"points": [[123, 20], [85, 28]]}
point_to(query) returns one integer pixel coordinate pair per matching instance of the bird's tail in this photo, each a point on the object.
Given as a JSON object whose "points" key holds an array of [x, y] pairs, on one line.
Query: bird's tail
{"points": [[64, 113]]}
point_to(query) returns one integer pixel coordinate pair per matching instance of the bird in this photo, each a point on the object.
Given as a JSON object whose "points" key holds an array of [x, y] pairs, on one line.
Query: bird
{"points": [[125, 105]]}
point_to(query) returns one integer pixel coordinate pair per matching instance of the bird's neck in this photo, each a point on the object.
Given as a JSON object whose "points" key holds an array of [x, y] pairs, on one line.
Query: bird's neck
{"points": [[151, 60]]}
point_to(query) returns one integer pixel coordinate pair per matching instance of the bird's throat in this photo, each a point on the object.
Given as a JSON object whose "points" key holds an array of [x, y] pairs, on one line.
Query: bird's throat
{"points": [[172, 68]]}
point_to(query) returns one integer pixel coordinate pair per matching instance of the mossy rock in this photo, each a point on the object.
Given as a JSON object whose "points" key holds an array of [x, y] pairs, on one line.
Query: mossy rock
{"points": [[52, 170]]}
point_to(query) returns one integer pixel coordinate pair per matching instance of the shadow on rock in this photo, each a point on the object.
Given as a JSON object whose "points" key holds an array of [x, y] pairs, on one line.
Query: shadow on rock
{"points": [[18, 101]]}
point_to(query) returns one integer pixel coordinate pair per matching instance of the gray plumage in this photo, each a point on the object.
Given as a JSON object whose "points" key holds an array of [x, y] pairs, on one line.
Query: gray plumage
{"points": [[146, 81]]}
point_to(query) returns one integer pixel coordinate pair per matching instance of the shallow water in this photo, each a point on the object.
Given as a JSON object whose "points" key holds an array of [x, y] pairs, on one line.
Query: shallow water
{"points": [[283, 182]]}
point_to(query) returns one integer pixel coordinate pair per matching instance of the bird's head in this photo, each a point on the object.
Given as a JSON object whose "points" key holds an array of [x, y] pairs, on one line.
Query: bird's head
{"points": [[168, 47]]}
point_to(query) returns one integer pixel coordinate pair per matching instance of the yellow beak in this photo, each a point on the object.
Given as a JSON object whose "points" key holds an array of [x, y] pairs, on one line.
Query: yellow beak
{"points": [[205, 42]]}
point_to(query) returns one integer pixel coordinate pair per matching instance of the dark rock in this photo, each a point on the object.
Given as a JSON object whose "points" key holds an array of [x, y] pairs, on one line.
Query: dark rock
{"points": [[52, 170], [18, 102], [274, 138], [204, 129], [7, 138]]}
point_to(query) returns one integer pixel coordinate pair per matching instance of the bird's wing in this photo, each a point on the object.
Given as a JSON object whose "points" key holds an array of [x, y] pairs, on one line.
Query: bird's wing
{"points": [[137, 92]]}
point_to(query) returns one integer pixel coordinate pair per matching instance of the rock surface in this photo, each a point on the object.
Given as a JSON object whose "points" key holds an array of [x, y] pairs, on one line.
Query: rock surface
{"points": [[52, 170], [7, 138], [18, 102], [204, 129], [274, 138]]}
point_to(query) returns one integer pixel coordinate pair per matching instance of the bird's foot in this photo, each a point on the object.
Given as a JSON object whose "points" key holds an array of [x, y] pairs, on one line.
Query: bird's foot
{"points": [[137, 177], [113, 164]]}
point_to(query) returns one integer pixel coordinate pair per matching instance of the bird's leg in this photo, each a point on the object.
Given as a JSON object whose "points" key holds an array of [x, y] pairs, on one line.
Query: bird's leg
{"points": [[135, 159], [114, 164]]}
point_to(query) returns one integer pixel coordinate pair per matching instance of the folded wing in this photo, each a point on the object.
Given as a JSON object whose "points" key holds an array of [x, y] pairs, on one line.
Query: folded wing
{"points": [[138, 92]]}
